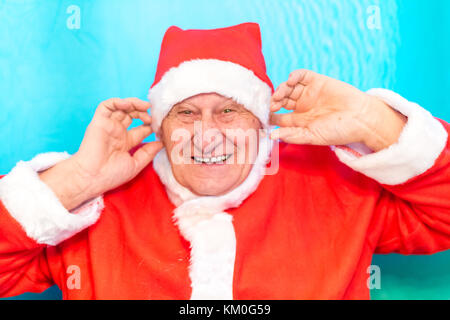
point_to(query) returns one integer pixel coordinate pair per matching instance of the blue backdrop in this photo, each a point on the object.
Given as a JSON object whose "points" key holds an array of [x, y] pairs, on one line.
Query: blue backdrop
{"points": [[60, 58]]}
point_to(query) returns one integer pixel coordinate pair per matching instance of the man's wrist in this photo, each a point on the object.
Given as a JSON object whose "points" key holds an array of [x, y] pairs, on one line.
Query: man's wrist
{"points": [[71, 187], [384, 125]]}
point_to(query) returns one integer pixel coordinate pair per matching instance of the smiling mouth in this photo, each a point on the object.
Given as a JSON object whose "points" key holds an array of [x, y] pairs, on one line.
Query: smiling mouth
{"points": [[211, 160]]}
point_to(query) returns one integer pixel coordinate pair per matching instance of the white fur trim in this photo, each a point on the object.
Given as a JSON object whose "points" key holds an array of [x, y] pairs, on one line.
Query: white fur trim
{"points": [[37, 209], [360, 147], [203, 222], [206, 76], [213, 249], [176, 192], [420, 143]]}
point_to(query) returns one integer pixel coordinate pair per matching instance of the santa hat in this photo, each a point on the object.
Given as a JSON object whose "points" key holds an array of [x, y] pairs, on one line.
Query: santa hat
{"points": [[227, 61]]}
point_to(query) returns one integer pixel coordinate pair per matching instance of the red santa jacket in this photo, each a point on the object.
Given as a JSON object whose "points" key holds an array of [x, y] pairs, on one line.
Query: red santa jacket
{"points": [[307, 232]]}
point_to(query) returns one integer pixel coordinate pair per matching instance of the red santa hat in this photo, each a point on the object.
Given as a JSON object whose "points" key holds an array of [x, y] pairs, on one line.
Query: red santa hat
{"points": [[227, 61]]}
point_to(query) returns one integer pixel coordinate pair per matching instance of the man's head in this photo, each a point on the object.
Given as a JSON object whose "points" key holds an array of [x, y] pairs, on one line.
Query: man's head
{"points": [[210, 97], [211, 142]]}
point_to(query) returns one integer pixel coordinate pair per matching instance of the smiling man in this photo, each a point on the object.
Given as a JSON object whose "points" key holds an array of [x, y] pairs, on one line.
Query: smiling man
{"points": [[219, 145], [194, 214]]}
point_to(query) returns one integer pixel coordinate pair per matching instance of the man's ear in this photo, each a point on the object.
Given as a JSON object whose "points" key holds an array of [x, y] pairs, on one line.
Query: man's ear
{"points": [[158, 134], [158, 131]]}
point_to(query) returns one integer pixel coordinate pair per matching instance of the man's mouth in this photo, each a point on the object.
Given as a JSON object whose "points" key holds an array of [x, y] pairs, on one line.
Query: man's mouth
{"points": [[211, 160]]}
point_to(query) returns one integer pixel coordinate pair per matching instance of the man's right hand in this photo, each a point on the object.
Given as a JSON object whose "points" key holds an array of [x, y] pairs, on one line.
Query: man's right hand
{"points": [[103, 161]]}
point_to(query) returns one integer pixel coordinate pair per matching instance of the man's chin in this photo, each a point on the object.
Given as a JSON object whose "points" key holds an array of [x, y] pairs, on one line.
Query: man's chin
{"points": [[211, 180], [212, 190]]}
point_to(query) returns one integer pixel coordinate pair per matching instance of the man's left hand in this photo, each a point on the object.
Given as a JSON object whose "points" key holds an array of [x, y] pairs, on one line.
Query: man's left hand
{"points": [[330, 112]]}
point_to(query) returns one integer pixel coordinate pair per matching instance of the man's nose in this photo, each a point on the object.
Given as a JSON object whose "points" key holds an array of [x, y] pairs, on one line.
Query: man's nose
{"points": [[207, 134]]}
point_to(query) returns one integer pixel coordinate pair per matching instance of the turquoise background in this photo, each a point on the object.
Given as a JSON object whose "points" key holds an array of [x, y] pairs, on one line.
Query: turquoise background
{"points": [[53, 77]]}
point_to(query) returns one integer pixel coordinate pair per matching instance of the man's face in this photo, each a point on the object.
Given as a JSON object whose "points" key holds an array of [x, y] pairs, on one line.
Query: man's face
{"points": [[211, 142]]}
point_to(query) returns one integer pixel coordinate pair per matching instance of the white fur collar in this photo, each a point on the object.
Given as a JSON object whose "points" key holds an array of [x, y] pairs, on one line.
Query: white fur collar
{"points": [[182, 197], [209, 229]]}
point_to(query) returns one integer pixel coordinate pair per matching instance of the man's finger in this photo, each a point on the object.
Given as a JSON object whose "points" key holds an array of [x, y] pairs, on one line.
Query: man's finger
{"points": [[275, 106], [290, 104], [297, 92], [138, 104], [107, 107], [110, 107], [137, 134], [293, 135], [114, 104], [281, 119], [282, 132], [289, 119], [283, 91], [142, 115], [118, 115], [145, 154], [127, 118], [300, 76]]}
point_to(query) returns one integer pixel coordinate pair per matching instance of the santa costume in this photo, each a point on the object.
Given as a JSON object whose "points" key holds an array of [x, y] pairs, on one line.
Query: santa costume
{"points": [[307, 232]]}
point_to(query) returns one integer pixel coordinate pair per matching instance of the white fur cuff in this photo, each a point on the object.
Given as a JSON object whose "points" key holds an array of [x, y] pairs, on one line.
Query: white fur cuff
{"points": [[421, 142], [37, 209]]}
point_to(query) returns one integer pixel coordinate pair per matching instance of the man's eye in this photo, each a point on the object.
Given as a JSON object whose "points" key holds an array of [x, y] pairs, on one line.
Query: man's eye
{"points": [[185, 112], [228, 110]]}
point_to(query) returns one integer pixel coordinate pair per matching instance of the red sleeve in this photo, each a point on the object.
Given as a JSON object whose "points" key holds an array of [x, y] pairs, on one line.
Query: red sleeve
{"points": [[414, 217], [23, 263], [32, 218]]}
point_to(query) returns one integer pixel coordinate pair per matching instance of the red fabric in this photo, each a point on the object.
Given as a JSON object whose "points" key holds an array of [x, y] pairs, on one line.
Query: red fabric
{"points": [[239, 44], [313, 227]]}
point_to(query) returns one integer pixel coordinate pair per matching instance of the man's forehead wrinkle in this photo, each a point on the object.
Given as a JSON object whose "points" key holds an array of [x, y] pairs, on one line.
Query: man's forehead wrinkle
{"points": [[185, 104], [201, 103]]}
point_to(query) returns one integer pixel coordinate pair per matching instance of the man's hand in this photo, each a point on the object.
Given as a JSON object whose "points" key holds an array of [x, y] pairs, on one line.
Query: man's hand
{"points": [[330, 112], [103, 161]]}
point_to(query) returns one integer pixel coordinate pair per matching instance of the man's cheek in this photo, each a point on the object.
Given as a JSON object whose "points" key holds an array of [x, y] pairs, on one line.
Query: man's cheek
{"points": [[180, 141]]}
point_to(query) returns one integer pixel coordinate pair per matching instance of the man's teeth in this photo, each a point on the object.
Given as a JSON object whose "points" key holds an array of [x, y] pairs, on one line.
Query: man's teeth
{"points": [[212, 159]]}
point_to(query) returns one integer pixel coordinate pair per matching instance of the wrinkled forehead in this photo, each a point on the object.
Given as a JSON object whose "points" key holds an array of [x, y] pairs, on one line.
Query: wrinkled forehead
{"points": [[205, 107], [207, 101], [196, 77]]}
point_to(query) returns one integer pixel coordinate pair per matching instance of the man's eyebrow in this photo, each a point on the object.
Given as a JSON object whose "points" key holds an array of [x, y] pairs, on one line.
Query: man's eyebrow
{"points": [[183, 104], [230, 102]]}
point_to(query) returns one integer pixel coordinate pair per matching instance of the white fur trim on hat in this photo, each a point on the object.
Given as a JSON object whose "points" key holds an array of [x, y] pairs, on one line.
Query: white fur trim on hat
{"points": [[420, 143], [37, 209], [207, 76]]}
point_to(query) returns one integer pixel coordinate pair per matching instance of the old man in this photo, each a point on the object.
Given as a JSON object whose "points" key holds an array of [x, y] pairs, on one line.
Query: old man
{"points": [[222, 206]]}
